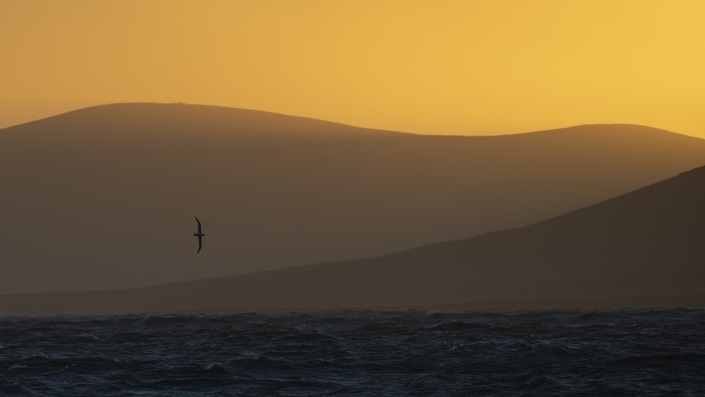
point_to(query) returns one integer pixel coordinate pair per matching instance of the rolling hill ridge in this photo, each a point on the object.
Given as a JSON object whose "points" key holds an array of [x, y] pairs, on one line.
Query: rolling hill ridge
{"points": [[104, 197]]}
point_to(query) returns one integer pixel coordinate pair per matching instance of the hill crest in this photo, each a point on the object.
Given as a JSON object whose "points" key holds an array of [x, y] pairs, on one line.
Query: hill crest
{"points": [[99, 203]]}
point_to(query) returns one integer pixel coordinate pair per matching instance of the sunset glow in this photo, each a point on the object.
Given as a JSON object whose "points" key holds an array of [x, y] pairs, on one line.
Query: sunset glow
{"points": [[450, 67]]}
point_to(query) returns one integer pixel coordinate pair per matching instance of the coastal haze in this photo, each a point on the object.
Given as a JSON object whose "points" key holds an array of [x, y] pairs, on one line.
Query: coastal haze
{"points": [[363, 197], [640, 249], [104, 197]]}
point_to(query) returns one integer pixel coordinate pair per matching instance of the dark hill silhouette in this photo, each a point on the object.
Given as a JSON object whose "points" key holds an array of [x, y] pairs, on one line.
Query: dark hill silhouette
{"points": [[104, 197], [643, 248]]}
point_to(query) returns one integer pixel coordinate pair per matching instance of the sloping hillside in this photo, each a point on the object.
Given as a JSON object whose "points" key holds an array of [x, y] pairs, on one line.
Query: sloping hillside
{"points": [[105, 197], [645, 248]]}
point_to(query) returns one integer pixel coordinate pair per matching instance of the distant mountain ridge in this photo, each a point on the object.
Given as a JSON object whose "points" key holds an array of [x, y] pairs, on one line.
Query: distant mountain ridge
{"points": [[644, 248], [154, 118], [104, 197]]}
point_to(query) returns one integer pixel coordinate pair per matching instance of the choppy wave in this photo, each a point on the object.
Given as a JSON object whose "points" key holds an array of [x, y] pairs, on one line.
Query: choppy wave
{"points": [[360, 353]]}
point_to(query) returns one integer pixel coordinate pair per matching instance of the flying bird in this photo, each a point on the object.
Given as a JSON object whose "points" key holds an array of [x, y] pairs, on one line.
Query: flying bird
{"points": [[199, 235]]}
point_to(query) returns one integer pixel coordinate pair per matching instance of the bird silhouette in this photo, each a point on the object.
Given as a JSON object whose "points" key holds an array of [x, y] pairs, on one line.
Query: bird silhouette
{"points": [[200, 236]]}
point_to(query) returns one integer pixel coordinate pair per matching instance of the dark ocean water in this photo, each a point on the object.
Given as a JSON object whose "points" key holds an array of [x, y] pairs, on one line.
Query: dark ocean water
{"points": [[358, 353]]}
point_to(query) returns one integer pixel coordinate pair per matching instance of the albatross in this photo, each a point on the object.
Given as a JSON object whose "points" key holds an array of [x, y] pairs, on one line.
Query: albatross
{"points": [[199, 235]]}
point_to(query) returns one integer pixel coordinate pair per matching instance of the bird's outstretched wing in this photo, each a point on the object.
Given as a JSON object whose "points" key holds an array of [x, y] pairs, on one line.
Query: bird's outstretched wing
{"points": [[199, 224], [200, 245]]}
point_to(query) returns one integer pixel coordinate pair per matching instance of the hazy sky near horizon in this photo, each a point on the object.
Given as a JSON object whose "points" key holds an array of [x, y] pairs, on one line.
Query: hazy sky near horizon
{"points": [[435, 67]]}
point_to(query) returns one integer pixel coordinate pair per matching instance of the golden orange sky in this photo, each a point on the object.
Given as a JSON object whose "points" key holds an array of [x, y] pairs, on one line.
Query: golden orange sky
{"points": [[435, 67]]}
